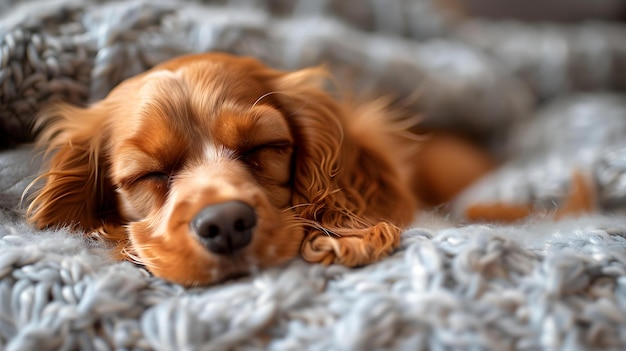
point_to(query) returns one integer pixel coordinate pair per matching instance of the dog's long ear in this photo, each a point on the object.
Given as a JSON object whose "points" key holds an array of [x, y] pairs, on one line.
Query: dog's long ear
{"points": [[76, 192], [346, 184]]}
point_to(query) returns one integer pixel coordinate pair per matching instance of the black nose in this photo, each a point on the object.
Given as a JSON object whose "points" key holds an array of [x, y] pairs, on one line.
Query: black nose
{"points": [[225, 227]]}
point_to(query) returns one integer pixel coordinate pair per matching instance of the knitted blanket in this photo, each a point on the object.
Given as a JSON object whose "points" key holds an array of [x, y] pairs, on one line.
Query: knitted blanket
{"points": [[546, 99]]}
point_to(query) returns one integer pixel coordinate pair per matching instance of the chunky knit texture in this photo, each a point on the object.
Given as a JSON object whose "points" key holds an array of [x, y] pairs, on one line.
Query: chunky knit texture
{"points": [[538, 285]]}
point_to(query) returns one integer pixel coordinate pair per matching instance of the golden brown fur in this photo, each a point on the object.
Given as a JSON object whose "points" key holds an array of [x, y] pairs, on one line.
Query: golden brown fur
{"points": [[325, 180]]}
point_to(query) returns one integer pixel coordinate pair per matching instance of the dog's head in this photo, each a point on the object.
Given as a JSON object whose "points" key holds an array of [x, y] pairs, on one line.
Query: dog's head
{"points": [[204, 167]]}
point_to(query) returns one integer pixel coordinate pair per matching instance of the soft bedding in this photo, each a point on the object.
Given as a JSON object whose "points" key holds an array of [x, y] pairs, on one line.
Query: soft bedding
{"points": [[535, 285]]}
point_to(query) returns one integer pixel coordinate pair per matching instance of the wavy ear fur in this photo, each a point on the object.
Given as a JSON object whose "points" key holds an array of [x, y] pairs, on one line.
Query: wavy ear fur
{"points": [[348, 182], [75, 190]]}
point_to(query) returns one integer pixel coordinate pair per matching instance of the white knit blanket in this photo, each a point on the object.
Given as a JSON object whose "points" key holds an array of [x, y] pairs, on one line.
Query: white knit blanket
{"points": [[541, 286], [537, 285]]}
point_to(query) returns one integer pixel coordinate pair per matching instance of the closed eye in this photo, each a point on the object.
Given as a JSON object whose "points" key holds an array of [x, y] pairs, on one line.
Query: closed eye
{"points": [[160, 177], [263, 158], [281, 145], [157, 180]]}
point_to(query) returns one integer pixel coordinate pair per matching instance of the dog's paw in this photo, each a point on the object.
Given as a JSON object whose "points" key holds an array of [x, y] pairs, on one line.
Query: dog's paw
{"points": [[564, 161], [351, 247], [577, 196]]}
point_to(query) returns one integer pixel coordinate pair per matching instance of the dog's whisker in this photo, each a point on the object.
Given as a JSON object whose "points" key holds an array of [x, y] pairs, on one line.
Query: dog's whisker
{"points": [[297, 206], [266, 95], [134, 258], [316, 225]]}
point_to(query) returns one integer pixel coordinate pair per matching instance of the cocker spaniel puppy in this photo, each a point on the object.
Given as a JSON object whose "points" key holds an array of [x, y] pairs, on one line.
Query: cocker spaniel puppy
{"points": [[210, 166]]}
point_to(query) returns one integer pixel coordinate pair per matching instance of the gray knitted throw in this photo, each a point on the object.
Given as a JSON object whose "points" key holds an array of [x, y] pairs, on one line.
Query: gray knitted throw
{"points": [[537, 285]]}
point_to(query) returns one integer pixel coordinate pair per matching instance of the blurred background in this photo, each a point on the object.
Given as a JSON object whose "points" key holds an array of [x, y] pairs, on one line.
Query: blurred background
{"points": [[538, 83], [550, 10]]}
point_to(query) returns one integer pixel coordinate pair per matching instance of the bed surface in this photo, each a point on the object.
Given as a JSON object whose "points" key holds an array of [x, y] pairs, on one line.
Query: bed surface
{"points": [[545, 99]]}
